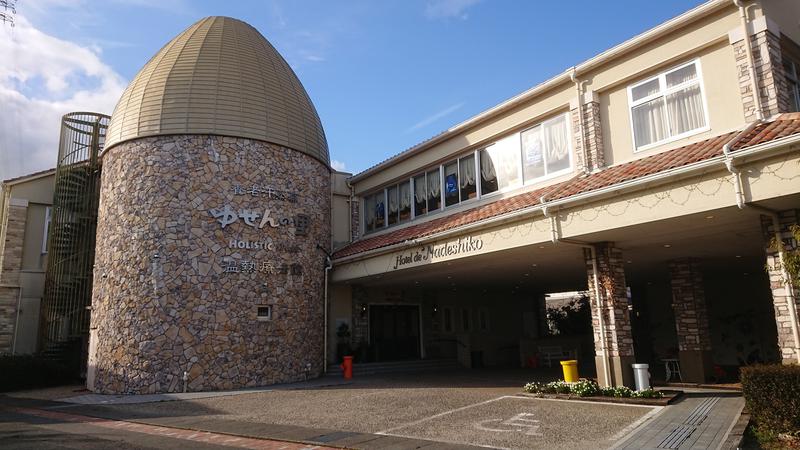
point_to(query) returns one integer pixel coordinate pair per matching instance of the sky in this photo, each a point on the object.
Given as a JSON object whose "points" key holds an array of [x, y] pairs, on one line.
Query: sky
{"points": [[384, 75]]}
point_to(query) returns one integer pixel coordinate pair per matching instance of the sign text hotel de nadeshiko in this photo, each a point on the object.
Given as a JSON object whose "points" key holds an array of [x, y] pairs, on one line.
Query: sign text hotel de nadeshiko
{"points": [[433, 252]]}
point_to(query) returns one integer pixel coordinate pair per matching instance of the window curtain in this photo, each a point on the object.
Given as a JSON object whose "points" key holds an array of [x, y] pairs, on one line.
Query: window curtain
{"points": [[487, 166], [405, 196], [420, 194], [467, 173], [648, 122], [686, 110], [434, 187], [393, 204], [555, 138]]}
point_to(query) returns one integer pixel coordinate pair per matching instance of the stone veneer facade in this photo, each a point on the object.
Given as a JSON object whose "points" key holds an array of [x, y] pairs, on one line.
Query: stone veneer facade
{"points": [[173, 295], [780, 297], [591, 137], [691, 319], [616, 317], [10, 262], [773, 90]]}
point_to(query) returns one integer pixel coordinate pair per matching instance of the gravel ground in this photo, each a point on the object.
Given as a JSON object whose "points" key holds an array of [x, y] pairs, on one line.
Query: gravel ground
{"points": [[422, 406]]}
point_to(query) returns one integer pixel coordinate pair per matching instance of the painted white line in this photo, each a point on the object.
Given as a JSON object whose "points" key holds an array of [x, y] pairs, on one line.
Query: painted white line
{"points": [[417, 422], [447, 441], [627, 432]]}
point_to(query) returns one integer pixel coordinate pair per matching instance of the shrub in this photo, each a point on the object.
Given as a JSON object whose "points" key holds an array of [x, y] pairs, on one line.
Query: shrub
{"points": [[30, 371], [772, 393], [586, 388]]}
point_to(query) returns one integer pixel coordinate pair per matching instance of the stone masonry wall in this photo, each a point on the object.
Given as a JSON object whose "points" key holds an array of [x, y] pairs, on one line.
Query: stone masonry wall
{"points": [[773, 89], [592, 137], [614, 301], [9, 272], [780, 297], [689, 305], [355, 218], [194, 233]]}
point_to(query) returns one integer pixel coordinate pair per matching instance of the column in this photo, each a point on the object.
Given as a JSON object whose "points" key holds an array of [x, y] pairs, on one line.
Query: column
{"points": [[767, 64], [785, 318], [691, 320], [613, 340], [10, 262], [588, 142]]}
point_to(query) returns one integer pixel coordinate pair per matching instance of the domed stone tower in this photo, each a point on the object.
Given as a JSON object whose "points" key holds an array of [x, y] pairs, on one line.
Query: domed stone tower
{"points": [[215, 199]]}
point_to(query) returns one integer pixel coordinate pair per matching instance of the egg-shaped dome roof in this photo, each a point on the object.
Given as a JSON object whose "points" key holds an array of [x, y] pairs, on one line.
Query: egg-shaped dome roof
{"points": [[220, 76]]}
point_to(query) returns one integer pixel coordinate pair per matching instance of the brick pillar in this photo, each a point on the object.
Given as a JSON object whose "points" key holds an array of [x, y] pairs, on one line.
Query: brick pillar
{"points": [[618, 337], [773, 90], [780, 295], [691, 320], [592, 135], [10, 264]]}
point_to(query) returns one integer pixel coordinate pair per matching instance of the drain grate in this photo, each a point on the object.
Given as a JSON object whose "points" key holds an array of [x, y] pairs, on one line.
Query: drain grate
{"points": [[683, 431]]}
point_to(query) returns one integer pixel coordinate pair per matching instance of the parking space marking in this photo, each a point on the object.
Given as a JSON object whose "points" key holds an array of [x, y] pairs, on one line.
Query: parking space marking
{"points": [[623, 433], [522, 422], [435, 416]]}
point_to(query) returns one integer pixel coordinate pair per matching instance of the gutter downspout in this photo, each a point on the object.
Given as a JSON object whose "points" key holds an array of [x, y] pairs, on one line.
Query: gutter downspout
{"points": [[350, 205], [748, 48], [579, 97], [742, 203], [596, 285], [328, 267]]}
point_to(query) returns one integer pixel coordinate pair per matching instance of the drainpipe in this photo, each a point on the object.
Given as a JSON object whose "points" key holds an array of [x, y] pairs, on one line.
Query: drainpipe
{"points": [[328, 267], [742, 203], [579, 95], [595, 281], [350, 205], [748, 48]]}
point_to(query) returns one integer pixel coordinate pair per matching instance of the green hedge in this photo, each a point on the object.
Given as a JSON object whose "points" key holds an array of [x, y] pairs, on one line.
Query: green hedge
{"points": [[30, 371], [772, 393]]}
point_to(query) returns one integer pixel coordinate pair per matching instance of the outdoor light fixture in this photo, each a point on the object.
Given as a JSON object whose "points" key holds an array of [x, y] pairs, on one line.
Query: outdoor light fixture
{"points": [[667, 245], [435, 309], [363, 310]]}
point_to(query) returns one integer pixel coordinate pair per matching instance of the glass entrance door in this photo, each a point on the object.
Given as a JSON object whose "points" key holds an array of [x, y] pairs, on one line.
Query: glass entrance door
{"points": [[394, 332]]}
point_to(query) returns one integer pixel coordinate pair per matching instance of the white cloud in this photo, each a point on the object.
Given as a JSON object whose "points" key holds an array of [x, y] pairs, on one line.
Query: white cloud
{"points": [[434, 117], [448, 9], [42, 78], [338, 165]]}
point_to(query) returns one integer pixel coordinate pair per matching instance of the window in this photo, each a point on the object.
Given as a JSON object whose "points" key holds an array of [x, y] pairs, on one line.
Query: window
{"points": [[434, 190], [374, 211], [405, 201], [448, 320], [451, 184], [466, 173], [263, 313], [47, 218], [420, 195], [465, 319], [792, 83], [499, 165], [546, 148], [667, 106], [483, 319]]}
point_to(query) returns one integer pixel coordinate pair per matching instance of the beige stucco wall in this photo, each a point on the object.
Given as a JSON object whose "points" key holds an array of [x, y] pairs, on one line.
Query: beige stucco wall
{"points": [[340, 209], [720, 86]]}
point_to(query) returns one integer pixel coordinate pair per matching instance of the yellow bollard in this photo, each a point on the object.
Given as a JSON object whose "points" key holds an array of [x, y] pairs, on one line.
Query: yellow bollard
{"points": [[570, 368]]}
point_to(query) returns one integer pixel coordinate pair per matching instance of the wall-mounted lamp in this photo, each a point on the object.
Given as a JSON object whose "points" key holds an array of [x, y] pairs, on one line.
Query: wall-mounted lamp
{"points": [[363, 310], [435, 309]]}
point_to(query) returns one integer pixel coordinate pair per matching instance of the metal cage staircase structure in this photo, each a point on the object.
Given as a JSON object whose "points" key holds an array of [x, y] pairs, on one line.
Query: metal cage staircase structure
{"points": [[66, 305]]}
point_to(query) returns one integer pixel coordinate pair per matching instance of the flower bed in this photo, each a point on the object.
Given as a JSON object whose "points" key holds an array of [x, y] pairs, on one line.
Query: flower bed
{"points": [[589, 390]]}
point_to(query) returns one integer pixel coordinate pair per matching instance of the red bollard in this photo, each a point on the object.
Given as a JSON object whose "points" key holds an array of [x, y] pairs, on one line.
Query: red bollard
{"points": [[347, 367]]}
